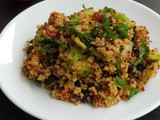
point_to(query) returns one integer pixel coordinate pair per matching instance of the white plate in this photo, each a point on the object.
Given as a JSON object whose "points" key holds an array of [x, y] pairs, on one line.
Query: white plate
{"points": [[36, 101]]}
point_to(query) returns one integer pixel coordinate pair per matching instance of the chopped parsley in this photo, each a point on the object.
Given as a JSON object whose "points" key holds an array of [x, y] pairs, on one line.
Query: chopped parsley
{"points": [[106, 25], [106, 9], [143, 53], [122, 29], [95, 30]]}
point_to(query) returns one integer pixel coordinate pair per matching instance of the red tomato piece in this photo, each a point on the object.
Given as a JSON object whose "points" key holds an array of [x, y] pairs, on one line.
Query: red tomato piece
{"points": [[49, 33], [96, 16]]}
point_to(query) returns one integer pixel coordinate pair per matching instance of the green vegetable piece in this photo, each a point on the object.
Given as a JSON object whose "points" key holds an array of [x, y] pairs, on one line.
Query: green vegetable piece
{"points": [[43, 39], [145, 48], [87, 71], [122, 84], [106, 9], [133, 92], [95, 53], [121, 16], [95, 30], [67, 26], [122, 29], [88, 11], [119, 64], [85, 38], [108, 30], [96, 24], [83, 66], [122, 47], [80, 43], [46, 47], [59, 43], [75, 20], [154, 57], [143, 53], [71, 63], [84, 7]]}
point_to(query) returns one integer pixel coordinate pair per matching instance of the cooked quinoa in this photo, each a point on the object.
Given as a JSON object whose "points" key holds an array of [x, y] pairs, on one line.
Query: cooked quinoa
{"points": [[97, 57]]}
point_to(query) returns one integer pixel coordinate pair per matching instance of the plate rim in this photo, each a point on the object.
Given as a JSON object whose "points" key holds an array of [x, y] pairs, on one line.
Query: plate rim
{"points": [[135, 116]]}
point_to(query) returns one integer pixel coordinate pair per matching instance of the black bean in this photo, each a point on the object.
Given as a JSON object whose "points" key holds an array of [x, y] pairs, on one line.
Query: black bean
{"points": [[130, 69], [90, 85], [136, 50], [114, 74], [105, 72], [77, 83], [101, 63], [56, 54], [86, 94], [50, 79], [52, 55], [29, 49], [140, 67], [52, 88]]}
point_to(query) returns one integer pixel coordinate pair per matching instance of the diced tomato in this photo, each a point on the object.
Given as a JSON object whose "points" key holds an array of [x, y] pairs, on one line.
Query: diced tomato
{"points": [[65, 92], [48, 32], [96, 16]]}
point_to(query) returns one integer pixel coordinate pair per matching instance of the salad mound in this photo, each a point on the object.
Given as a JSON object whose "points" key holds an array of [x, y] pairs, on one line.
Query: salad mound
{"points": [[98, 57]]}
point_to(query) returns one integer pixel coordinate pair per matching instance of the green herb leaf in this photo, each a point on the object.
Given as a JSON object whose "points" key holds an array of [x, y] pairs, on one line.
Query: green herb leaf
{"points": [[121, 16], [122, 84], [145, 48], [83, 6], [133, 92], [106, 9], [46, 47], [67, 26], [85, 38], [143, 53], [74, 20], [43, 39], [122, 29], [122, 47], [108, 30], [119, 63], [95, 30], [59, 43], [96, 24]]}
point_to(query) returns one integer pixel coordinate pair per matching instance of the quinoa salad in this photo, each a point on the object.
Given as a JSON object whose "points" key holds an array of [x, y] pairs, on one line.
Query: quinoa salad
{"points": [[97, 57]]}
